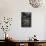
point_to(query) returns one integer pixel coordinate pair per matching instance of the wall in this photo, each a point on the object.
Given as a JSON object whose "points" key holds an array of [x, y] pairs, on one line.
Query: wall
{"points": [[45, 28], [13, 8]]}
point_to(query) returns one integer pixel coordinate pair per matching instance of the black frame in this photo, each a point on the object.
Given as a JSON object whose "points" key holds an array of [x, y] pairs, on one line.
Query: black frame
{"points": [[25, 19]]}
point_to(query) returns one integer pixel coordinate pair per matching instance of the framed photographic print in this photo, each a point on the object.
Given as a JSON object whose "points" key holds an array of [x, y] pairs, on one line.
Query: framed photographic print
{"points": [[25, 19]]}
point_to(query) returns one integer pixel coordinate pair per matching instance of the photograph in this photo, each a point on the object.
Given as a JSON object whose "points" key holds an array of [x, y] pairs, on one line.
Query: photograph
{"points": [[26, 19]]}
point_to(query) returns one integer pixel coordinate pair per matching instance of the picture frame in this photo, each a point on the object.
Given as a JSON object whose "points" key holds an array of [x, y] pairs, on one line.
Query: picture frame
{"points": [[25, 19]]}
